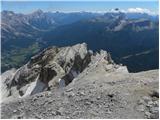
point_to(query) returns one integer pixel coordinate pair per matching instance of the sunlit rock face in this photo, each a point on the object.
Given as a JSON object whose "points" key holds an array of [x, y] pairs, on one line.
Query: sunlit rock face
{"points": [[61, 82], [55, 68]]}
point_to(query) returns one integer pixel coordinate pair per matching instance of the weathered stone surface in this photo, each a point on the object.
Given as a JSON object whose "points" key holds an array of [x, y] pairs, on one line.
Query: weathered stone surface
{"points": [[101, 93], [45, 69]]}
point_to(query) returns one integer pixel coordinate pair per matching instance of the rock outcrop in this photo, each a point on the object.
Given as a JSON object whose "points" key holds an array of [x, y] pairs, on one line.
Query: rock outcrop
{"points": [[73, 82], [52, 68]]}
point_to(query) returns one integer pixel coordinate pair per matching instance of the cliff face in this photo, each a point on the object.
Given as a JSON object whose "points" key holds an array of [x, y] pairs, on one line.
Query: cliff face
{"points": [[73, 82], [52, 68]]}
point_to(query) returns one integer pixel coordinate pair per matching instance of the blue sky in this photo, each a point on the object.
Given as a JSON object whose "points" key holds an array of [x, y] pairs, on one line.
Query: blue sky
{"points": [[30, 6]]}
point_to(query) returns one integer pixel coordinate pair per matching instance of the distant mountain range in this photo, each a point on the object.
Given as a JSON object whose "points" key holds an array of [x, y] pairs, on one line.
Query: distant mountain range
{"points": [[131, 38]]}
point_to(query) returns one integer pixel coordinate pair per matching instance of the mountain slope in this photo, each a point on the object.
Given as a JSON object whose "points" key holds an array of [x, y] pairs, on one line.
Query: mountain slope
{"points": [[118, 33], [118, 36], [45, 70], [22, 33], [101, 88]]}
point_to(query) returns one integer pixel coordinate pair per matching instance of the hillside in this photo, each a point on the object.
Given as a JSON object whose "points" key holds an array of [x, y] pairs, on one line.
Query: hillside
{"points": [[121, 34], [74, 82]]}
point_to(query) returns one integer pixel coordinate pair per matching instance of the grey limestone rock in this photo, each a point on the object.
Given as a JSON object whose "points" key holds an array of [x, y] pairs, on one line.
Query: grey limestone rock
{"points": [[73, 82]]}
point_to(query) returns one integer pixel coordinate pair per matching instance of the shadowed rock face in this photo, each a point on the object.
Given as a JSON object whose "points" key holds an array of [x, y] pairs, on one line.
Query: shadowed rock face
{"points": [[52, 68]]}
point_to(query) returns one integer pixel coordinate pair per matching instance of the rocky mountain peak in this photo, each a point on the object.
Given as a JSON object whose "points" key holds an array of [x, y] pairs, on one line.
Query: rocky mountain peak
{"points": [[115, 14], [38, 12], [6, 12], [63, 80], [54, 67]]}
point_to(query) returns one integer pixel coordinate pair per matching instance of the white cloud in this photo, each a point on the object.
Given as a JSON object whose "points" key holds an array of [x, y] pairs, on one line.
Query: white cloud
{"points": [[140, 10], [129, 10], [135, 10]]}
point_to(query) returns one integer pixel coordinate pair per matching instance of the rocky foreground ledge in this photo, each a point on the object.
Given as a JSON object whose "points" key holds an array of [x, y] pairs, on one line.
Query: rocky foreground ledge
{"points": [[73, 82]]}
